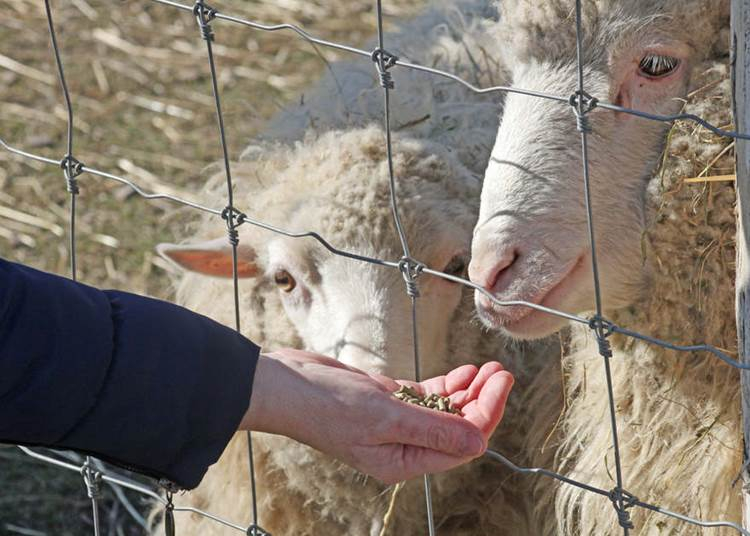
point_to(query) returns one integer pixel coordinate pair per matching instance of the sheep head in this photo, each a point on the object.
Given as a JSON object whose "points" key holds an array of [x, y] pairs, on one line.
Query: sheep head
{"points": [[337, 186], [531, 241]]}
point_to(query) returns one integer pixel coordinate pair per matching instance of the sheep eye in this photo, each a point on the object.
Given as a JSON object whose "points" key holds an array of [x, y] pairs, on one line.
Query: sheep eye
{"points": [[656, 66], [456, 266], [284, 280]]}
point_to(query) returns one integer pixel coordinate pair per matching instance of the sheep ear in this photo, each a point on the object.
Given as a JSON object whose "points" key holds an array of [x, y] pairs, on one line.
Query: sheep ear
{"points": [[213, 257]]}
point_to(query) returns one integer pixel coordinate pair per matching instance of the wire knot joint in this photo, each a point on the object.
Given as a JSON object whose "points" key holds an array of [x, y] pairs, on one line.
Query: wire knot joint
{"points": [[582, 103], [93, 481], [72, 169], [234, 218], [603, 329], [384, 60], [169, 524], [628, 500], [255, 530], [410, 271], [204, 14]]}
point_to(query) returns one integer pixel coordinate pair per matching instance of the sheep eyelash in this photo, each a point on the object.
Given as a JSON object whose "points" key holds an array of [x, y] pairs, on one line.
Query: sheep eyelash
{"points": [[656, 66]]}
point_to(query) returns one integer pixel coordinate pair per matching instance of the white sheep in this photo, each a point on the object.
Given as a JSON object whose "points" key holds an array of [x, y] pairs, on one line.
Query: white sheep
{"points": [[665, 252], [310, 175]]}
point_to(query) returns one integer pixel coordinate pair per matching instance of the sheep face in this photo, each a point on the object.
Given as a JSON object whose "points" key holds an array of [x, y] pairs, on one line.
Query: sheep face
{"points": [[337, 186], [531, 241], [360, 313]]}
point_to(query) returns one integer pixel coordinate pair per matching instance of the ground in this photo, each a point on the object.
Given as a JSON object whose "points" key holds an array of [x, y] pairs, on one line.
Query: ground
{"points": [[138, 75]]}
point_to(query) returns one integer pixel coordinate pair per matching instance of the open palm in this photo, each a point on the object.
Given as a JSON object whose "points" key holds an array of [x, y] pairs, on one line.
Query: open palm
{"points": [[352, 415]]}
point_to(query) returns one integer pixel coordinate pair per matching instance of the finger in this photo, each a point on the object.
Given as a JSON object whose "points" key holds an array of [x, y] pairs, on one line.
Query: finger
{"points": [[458, 378], [486, 411], [421, 427], [463, 396]]}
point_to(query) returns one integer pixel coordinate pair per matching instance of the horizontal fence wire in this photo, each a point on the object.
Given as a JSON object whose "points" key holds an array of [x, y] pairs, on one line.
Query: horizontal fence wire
{"points": [[411, 269]]}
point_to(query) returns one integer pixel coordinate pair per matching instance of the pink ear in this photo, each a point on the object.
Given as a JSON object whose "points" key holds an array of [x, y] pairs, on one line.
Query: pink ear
{"points": [[213, 258]]}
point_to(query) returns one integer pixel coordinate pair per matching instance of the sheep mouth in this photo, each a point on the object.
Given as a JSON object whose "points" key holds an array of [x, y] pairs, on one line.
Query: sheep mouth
{"points": [[526, 322]]}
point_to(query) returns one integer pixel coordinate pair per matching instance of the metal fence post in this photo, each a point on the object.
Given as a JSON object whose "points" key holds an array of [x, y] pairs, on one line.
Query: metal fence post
{"points": [[741, 105]]}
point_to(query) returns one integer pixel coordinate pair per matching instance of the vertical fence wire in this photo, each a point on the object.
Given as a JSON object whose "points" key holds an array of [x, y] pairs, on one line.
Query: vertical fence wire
{"points": [[581, 102], [410, 269], [204, 15], [584, 103], [71, 169]]}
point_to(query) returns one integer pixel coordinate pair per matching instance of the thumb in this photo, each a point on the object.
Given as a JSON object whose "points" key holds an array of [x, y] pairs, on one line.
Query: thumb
{"points": [[442, 432]]}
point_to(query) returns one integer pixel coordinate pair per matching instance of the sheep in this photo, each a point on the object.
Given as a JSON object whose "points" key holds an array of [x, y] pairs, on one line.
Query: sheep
{"points": [[665, 254], [322, 168]]}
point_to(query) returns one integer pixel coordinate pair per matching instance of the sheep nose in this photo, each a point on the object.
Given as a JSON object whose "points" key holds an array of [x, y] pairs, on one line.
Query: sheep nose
{"points": [[486, 268]]}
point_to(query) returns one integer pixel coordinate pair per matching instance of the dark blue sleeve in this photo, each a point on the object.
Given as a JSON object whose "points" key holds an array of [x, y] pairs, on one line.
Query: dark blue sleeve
{"points": [[132, 380]]}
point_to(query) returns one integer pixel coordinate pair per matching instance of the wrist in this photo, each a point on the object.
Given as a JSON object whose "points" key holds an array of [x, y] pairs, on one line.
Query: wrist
{"points": [[259, 414]]}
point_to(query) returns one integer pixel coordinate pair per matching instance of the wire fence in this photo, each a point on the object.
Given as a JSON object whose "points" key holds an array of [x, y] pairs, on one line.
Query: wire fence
{"points": [[581, 103]]}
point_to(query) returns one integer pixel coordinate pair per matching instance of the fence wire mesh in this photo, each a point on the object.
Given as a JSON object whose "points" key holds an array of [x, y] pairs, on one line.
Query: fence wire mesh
{"points": [[95, 474]]}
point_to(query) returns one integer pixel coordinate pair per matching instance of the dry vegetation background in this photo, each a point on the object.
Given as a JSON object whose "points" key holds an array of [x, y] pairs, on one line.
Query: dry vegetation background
{"points": [[138, 75]]}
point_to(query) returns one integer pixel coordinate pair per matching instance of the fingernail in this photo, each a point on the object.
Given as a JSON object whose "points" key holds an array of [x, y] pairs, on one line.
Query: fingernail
{"points": [[473, 445]]}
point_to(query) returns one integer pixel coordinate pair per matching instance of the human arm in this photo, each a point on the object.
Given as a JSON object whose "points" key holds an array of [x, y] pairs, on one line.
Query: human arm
{"points": [[151, 386]]}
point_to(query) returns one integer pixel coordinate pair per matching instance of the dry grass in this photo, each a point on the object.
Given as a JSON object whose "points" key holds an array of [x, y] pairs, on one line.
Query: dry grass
{"points": [[138, 75]]}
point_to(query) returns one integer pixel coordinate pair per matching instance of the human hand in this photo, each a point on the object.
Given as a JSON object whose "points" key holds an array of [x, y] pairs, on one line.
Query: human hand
{"points": [[352, 415]]}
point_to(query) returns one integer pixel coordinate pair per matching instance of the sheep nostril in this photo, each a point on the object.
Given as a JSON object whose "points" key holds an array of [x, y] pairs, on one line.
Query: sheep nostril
{"points": [[502, 266], [488, 274]]}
